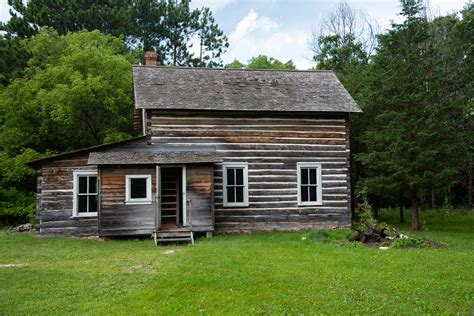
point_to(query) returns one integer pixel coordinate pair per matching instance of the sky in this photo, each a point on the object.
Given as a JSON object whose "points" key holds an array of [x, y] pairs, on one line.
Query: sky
{"points": [[282, 28]]}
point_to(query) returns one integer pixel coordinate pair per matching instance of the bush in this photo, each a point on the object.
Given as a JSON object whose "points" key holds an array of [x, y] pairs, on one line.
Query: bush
{"points": [[16, 207], [408, 243]]}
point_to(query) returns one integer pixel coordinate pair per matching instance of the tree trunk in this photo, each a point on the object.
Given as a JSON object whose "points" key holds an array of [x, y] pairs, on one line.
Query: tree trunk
{"points": [[415, 219], [400, 203], [402, 218], [433, 199], [469, 189]]}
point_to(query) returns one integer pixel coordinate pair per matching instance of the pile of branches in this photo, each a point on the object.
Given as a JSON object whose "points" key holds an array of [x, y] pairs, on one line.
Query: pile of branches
{"points": [[375, 235]]}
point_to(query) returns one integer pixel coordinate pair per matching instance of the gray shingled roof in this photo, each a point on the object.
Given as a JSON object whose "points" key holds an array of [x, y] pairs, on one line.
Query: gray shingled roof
{"points": [[138, 158], [240, 90]]}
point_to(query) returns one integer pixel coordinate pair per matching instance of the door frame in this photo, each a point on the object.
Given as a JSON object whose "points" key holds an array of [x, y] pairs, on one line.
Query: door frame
{"points": [[158, 193]]}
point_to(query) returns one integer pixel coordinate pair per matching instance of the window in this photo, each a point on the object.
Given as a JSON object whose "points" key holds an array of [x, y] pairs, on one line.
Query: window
{"points": [[138, 189], [235, 191], [85, 193], [309, 184]]}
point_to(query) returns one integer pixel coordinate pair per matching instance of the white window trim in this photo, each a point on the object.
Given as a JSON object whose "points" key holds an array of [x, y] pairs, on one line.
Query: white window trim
{"points": [[319, 188], [128, 199], [243, 165], [76, 175]]}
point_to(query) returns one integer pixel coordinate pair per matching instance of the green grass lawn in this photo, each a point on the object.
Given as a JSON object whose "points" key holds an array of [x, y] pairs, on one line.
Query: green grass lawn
{"points": [[260, 273]]}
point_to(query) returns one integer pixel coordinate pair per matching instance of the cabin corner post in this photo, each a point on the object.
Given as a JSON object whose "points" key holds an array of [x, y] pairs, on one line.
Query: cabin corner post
{"points": [[38, 201], [350, 189], [99, 199]]}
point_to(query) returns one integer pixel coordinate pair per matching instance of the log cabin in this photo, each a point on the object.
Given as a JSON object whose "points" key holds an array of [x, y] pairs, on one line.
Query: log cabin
{"points": [[222, 150]]}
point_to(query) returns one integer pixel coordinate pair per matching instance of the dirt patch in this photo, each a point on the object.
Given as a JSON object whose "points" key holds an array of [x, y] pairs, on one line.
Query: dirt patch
{"points": [[13, 265], [168, 251], [141, 268]]}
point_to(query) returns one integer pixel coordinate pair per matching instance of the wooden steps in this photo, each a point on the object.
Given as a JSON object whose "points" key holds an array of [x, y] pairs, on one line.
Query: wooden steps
{"points": [[173, 236]]}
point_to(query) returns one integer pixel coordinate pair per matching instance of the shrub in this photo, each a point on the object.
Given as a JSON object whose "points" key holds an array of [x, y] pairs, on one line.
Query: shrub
{"points": [[16, 207]]}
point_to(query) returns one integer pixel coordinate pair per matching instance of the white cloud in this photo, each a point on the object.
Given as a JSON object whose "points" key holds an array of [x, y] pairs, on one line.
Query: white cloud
{"points": [[255, 35], [251, 23]]}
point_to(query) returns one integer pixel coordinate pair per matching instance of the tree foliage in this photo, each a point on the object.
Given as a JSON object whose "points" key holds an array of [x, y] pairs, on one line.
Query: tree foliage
{"points": [[171, 27], [414, 129], [73, 85], [262, 62]]}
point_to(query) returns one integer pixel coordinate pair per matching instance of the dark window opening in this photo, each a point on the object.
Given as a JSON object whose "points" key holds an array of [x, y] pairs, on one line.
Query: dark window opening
{"points": [[86, 194], [138, 188], [235, 185], [308, 185]]}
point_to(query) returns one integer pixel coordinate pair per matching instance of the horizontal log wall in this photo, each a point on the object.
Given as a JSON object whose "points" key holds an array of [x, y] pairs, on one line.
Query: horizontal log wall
{"points": [[271, 146], [54, 199], [115, 216]]}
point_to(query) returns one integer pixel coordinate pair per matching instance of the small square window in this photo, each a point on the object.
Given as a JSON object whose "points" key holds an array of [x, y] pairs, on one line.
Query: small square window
{"points": [[309, 184], [138, 189]]}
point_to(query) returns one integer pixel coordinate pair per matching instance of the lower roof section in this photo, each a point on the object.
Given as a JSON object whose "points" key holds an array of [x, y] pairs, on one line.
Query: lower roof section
{"points": [[143, 157]]}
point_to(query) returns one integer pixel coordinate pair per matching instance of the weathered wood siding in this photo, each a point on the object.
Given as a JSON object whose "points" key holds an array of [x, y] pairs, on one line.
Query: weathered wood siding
{"points": [[199, 183], [271, 145], [54, 199], [115, 216]]}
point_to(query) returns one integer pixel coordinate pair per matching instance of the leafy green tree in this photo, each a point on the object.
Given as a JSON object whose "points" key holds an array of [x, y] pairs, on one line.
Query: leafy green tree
{"points": [[262, 62], [235, 64], [76, 92], [340, 54], [265, 62]]}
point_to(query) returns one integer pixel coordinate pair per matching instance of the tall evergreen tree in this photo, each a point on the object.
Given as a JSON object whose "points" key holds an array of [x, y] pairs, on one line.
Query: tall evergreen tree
{"points": [[408, 141]]}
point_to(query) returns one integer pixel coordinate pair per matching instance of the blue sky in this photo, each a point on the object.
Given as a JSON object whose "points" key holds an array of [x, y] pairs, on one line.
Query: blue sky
{"points": [[282, 28]]}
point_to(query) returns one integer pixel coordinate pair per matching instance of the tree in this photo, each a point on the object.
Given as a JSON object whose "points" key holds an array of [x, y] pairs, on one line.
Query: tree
{"points": [[262, 62], [212, 41], [167, 26], [235, 64], [345, 26], [408, 137], [108, 16], [13, 59], [76, 92]]}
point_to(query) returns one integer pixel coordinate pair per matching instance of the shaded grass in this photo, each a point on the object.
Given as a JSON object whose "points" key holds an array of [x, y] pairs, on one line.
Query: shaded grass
{"points": [[269, 273]]}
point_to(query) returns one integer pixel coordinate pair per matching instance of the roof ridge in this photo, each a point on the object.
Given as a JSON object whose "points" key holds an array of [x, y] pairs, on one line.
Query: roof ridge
{"points": [[234, 69]]}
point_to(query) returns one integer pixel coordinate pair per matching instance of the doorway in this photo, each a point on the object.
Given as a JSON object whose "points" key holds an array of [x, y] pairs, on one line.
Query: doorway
{"points": [[172, 196]]}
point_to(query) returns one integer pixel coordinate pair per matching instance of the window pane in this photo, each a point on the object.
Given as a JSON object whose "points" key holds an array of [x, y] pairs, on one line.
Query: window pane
{"points": [[82, 204], [92, 184], [239, 176], [230, 195], [304, 176], [312, 194], [304, 194], [312, 176], [230, 176], [82, 184], [138, 188], [239, 194], [93, 203]]}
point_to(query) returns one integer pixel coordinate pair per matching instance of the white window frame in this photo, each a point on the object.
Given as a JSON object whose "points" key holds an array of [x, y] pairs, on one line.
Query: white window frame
{"points": [[319, 187], [76, 174], [245, 173], [128, 199]]}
